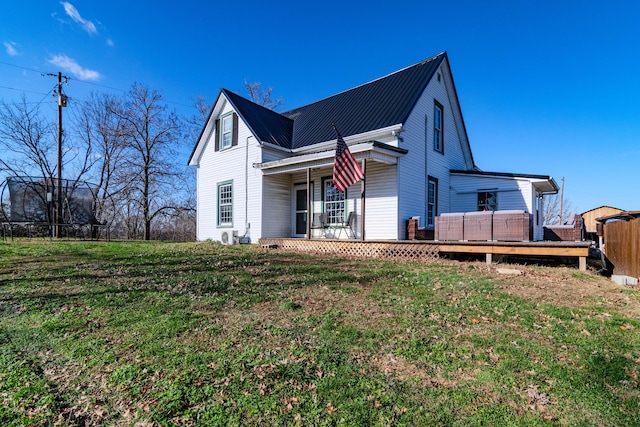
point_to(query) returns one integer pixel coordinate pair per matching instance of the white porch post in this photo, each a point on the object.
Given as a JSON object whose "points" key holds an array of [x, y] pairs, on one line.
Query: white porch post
{"points": [[309, 215], [362, 197]]}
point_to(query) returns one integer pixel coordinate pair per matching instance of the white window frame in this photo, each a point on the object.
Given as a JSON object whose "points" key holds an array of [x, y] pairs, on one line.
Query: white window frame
{"points": [[226, 134], [438, 127], [225, 204], [334, 202], [432, 201]]}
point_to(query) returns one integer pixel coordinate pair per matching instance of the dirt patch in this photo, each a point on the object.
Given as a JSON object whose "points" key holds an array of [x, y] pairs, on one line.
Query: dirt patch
{"points": [[563, 286]]}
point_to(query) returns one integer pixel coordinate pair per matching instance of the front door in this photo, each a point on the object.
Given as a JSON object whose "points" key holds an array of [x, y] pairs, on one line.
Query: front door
{"points": [[300, 216]]}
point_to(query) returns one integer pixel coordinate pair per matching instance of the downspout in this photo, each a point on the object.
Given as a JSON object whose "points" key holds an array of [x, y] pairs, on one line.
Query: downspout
{"points": [[247, 224], [426, 175]]}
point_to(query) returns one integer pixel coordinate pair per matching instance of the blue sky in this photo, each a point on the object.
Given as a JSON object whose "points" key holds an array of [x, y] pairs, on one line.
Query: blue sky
{"points": [[546, 87]]}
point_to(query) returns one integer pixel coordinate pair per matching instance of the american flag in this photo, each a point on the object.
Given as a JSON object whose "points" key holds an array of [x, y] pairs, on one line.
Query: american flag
{"points": [[346, 170]]}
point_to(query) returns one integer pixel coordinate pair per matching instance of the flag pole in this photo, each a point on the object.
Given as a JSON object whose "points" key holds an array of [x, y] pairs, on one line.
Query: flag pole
{"points": [[346, 172]]}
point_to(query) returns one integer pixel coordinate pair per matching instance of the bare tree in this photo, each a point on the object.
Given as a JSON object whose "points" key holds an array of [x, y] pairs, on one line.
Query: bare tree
{"points": [[28, 143], [103, 131], [551, 209], [202, 111], [27, 140], [151, 133], [262, 96]]}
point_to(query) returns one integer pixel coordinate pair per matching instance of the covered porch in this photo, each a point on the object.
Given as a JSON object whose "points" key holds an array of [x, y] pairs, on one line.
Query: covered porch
{"points": [[301, 202]]}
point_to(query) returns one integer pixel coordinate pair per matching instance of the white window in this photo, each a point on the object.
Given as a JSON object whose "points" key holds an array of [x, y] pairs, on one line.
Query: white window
{"points": [[225, 204], [432, 198], [333, 203], [226, 133], [438, 144]]}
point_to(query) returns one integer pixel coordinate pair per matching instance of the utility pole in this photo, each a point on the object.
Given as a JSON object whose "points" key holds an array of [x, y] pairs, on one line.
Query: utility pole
{"points": [[561, 199], [62, 102]]}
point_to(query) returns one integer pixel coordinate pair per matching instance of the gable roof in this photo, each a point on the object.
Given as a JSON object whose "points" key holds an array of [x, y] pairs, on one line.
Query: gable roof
{"points": [[378, 104]]}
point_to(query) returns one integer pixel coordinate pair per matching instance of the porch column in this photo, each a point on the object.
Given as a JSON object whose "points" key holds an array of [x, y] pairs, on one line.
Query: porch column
{"points": [[309, 215], [362, 198]]}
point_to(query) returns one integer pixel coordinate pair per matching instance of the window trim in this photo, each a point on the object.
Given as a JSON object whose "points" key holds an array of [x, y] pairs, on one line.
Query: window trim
{"points": [[219, 186], [438, 132], [324, 202], [494, 192], [430, 220], [223, 146]]}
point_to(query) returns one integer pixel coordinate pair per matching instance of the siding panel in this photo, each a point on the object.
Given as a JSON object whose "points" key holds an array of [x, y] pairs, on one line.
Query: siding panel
{"points": [[216, 167], [422, 161]]}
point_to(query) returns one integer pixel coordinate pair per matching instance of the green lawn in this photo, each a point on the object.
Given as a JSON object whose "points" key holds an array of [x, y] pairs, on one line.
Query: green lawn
{"points": [[149, 333]]}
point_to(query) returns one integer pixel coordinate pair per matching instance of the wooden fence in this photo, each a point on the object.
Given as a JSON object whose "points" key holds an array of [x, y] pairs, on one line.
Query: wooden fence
{"points": [[622, 246]]}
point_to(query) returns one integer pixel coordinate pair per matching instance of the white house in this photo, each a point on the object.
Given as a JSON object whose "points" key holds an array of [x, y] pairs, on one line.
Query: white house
{"points": [[255, 166]]}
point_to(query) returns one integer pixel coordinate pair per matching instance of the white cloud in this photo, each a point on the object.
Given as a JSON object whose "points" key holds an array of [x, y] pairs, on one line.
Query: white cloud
{"points": [[70, 65], [110, 43], [73, 13], [11, 48]]}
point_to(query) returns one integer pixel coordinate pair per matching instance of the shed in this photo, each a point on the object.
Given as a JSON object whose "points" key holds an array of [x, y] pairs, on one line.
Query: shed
{"points": [[589, 218]]}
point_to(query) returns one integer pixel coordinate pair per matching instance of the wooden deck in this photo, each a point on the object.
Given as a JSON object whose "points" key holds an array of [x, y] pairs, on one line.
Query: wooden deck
{"points": [[424, 249]]}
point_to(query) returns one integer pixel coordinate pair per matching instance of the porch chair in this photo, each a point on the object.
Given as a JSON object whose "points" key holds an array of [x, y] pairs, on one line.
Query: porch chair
{"points": [[347, 225], [570, 230], [319, 223]]}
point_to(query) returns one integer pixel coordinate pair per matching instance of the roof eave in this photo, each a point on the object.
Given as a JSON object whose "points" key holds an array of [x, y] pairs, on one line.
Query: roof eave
{"points": [[373, 150], [194, 158], [545, 184]]}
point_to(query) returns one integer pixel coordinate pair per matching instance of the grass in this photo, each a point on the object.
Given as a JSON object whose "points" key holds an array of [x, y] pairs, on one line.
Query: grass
{"points": [[149, 333]]}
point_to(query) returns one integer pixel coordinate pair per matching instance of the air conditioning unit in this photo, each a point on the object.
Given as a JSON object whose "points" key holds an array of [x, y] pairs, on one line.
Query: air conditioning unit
{"points": [[229, 237]]}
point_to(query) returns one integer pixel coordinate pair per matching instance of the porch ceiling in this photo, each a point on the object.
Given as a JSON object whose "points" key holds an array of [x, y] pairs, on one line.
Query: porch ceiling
{"points": [[372, 150]]}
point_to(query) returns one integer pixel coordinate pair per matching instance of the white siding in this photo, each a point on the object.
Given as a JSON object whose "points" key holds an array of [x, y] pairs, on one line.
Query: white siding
{"points": [[422, 161], [271, 153], [229, 165], [381, 204], [513, 193], [276, 206]]}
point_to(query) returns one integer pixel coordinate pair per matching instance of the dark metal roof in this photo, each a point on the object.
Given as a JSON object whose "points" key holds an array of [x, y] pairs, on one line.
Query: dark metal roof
{"points": [[266, 125], [378, 104], [383, 102]]}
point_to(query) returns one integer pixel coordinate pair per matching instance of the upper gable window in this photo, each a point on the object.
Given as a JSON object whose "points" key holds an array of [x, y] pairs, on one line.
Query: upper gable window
{"points": [[438, 127], [226, 133]]}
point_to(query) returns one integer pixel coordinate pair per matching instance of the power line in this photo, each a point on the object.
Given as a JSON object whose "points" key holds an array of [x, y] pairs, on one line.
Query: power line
{"points": [[77, 80], [43, 98], [22, 90], [21, 67]]}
